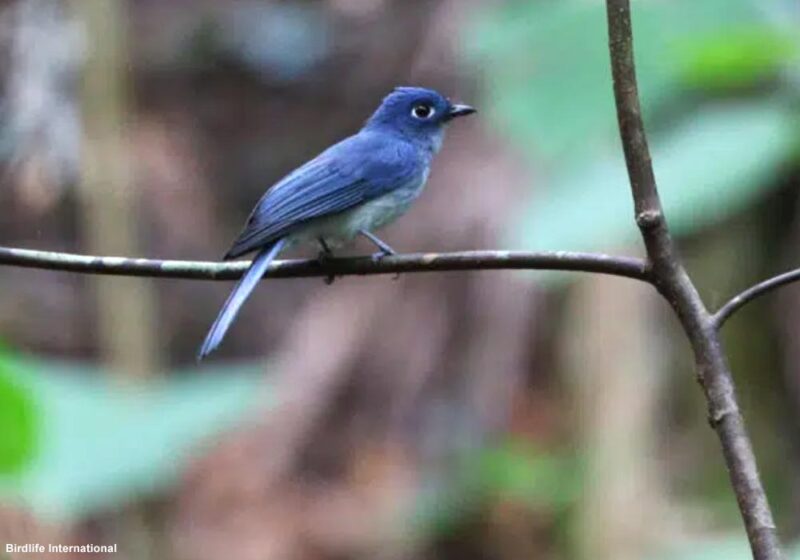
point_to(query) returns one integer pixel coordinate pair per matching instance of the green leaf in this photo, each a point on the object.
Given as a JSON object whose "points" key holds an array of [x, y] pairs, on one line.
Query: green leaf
{"points": [[712, 164], [19, 422], [517, 471], [736, 58], [103, 443], [547, 75]]}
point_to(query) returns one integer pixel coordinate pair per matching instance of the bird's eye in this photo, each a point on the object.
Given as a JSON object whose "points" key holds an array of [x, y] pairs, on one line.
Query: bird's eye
{"points": [[422, 111]]}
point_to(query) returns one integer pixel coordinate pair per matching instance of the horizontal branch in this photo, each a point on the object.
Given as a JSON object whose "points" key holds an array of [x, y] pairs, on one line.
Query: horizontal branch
{"points": [[734, 304], [628, 267]]}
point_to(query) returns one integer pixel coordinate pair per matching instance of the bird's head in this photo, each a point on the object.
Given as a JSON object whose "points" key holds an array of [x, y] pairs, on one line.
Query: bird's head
{"points": [[417, 113]]}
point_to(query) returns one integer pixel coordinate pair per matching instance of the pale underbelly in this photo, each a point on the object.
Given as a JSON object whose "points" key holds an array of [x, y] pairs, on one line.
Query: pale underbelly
{"points": [[340, 229]]}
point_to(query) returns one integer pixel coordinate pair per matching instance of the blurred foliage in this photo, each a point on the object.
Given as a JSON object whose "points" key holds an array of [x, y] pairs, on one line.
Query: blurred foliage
{"points": [[736, 58], [710, 159], [518, 471], [515, 472], [102, 442], [705, 172]]}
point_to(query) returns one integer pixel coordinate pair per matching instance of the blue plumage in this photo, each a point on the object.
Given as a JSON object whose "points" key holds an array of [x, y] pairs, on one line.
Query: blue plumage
{"points": [[357, 170], [354, 187]]}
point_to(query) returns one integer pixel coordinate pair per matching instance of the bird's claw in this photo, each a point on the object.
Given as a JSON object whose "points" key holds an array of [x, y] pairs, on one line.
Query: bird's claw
{"points": [[380, 255]]}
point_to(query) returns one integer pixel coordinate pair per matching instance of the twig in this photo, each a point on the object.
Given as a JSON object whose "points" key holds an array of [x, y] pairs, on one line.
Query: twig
{"points": [[628, 267], [762, 288], [671, 279]]}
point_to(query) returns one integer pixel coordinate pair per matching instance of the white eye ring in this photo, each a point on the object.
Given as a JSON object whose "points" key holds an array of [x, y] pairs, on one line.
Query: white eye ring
{"points": [[422, 111]]}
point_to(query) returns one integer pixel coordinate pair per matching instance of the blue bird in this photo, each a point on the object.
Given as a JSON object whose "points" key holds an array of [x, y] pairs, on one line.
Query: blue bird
{"points": [[353, 188]]}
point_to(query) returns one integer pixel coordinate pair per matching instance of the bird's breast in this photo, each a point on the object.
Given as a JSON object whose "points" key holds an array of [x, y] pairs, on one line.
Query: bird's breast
{"points": [[341, 228]]}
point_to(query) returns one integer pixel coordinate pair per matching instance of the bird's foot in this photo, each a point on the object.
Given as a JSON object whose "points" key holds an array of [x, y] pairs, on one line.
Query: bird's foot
{"points": [[324, 258], [382, 254]]}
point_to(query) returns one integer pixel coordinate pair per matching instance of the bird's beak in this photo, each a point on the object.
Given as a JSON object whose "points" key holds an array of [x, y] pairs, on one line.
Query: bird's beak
{"points": [[460, 111]]}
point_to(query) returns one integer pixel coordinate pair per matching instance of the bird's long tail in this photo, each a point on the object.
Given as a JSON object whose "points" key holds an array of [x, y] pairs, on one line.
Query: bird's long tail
{"points": [[240, 293]]}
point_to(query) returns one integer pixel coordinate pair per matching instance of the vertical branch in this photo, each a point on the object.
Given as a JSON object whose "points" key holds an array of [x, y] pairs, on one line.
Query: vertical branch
{"points": [[674, 284], [126, 310]]}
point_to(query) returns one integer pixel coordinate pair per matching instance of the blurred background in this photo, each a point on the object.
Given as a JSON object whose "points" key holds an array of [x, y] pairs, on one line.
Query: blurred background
{"points": [[490, 415]]}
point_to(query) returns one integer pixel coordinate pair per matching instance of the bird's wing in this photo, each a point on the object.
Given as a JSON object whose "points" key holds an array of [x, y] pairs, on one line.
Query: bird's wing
{"points": [[356, 170]]}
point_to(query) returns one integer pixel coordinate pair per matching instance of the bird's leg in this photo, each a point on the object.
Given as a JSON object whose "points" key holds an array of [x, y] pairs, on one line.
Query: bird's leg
{"points": [[325, 252], [384, 248], [324, 256]]}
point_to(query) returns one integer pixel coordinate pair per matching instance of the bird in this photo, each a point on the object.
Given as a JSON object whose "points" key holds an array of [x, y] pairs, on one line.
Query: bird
{"points": [[353, 188]]}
